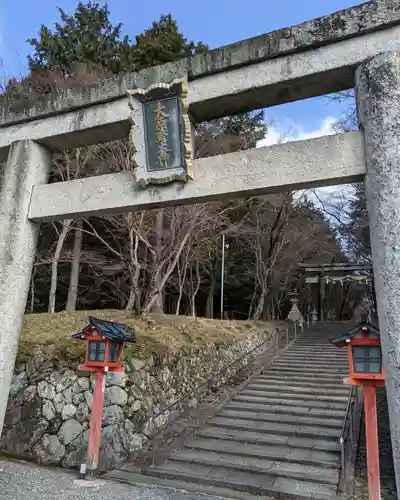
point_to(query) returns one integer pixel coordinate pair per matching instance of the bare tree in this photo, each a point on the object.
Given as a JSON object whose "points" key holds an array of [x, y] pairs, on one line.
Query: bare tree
{"points": [[75, 268], [55, 260]]}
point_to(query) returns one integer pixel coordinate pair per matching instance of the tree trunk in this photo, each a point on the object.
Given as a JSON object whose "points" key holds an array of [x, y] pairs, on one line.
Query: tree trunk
{"points": [[196, 290], [210, 299], [260, 306], [158, 302], [134, 269], [75, 268], [54, 265], [159, 282]]}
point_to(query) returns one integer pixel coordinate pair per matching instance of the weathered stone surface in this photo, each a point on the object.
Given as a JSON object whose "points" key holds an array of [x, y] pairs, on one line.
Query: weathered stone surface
{"points": [[89, 398], [66, 381], [112, 450], [49, 450], [78, 398], [13, 416], [136, 405], [48, 410], [30, 393], [22, 436], [68, 411], [112, 415], [115, 396], [137, 364], [59, 402], [132, 440], [19, 382], [69, 431], [55, 378], [46, 390], [136, 393], [310, 35], [326, 160], [378, 97], [82, 412], [118, 379], [33, 409], [81, 385]]}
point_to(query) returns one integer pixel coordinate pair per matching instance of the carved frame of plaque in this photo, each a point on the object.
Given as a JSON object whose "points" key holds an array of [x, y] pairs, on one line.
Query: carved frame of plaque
{"points": [[151, 139]]}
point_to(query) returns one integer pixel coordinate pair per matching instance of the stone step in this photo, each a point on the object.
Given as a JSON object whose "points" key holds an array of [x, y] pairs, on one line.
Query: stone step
{"points": [[324, 475], [305, 374], [293, 396], [298, 389], [310, 403], [314, 357], [129, 477], [312, 365], [250, 482], [287, 409], [312, 348], [261, 438], [308, 370], [271, 452], [321, 351], [297, 380], [314, 386], [301, 357], [275, 417], [277, 428], [311, 362]]}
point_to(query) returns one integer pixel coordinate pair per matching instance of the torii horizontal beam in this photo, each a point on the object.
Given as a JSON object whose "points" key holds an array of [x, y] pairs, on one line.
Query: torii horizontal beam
{"points": [[324, 161], [314, 58]]}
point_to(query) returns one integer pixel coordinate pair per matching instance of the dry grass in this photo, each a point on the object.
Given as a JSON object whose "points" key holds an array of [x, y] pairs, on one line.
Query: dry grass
{"points": [[51, 333]]}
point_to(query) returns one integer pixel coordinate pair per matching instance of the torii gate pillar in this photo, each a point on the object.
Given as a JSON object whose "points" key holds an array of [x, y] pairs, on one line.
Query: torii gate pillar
{"points": [[28, 164], [378, 98]]}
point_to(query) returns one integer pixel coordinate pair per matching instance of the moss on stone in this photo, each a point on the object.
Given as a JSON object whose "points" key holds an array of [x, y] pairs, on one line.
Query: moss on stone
{"points": [[49, 335]]}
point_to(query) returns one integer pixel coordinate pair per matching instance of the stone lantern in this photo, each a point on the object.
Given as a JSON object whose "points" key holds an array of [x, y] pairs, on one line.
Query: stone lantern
{"points": [[294, 314]]}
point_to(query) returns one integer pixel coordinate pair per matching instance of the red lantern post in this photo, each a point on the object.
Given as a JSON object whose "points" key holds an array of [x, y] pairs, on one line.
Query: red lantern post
{"points": [[104, 342], [366, 370]]}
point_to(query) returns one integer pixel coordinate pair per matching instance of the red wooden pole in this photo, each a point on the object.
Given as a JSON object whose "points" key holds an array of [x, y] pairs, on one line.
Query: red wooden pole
{"points": [[371, 431], [95, 425]]}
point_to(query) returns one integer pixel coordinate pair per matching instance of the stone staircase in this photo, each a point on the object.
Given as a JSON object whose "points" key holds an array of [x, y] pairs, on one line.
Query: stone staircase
{"points": [[277, 438]]}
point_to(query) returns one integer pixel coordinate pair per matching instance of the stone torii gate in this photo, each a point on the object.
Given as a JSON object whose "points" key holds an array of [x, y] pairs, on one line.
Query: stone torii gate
{"points": [[358, 47], [321, 274]]}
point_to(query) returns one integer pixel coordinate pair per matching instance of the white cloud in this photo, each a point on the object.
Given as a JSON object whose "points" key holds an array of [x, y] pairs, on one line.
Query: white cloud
{"points": [[295, 132], [331, 196]]}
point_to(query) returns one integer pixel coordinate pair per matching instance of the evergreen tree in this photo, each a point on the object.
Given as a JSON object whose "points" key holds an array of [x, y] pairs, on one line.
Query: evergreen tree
{"points": [[86, 37], [357, 229], [163, 43]]}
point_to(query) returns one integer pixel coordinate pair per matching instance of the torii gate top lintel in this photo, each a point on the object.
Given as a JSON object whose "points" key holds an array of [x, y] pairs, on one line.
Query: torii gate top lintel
{"points": [[313, 58], [208, 95], [357, 47]]}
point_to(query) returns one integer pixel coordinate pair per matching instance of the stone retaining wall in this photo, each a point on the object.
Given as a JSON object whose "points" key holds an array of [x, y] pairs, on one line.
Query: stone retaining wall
{"points": [[49, 406]]}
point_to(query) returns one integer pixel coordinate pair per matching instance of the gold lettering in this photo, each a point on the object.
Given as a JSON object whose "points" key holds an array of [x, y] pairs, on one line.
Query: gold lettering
{"points": [[162, 134]]}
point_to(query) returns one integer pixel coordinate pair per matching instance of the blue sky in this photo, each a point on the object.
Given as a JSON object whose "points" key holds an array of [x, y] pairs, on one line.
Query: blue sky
{"points": [[215, 22]]}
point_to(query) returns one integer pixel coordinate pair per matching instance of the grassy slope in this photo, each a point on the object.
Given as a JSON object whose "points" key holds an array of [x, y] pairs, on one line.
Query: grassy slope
{"points": [[51, 333]]}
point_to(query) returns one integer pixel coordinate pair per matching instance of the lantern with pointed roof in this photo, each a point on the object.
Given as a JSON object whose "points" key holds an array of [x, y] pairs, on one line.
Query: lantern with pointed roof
{"points": [[104, 344], [364, 352]]}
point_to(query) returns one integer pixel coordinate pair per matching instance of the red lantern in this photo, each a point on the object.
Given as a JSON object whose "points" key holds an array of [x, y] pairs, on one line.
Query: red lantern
{"points": [[104, 350], [366, 369], [104, 345]]}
